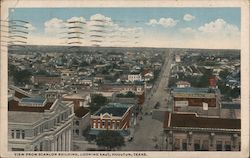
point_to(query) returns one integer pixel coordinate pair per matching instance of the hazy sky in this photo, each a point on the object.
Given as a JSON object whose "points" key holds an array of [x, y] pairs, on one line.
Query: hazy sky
{"points": [[150, 27]]}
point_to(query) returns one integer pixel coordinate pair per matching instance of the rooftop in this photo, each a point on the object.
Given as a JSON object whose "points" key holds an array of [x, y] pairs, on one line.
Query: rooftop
{"points": [[230, 105], [24, 117], [193, 121], [114, 109], [14, 106], [80, 112], [36, 100], [193, 90]]}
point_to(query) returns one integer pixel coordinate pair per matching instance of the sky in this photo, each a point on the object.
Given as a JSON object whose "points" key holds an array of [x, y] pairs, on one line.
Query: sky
{"points": [[214, 28]]}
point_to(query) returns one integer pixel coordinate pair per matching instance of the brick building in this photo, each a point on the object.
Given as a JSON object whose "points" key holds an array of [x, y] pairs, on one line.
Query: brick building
{"points": [[203, 101], [188, 132], [113, 116]]}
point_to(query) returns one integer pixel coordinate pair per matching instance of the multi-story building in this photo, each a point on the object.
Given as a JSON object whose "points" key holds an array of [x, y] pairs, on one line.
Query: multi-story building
{"points": [[203, 101], [189, 132], [35, 124], [138, 88], [132, 77], [47, 79], [113, 116]]}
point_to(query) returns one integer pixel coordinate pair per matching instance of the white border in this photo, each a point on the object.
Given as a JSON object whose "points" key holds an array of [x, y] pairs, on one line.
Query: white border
{"points": [[243, 4]]}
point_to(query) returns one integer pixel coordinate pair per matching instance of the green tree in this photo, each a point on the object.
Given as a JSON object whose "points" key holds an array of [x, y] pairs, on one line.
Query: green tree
{"points": [[22, 77], [223, 74], [97, 101], [110, 139]]}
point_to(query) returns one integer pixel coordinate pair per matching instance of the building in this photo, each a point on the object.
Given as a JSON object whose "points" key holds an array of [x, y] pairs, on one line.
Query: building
{"points": [[188, 132], [47, 79], [132, 77], [137, 88], [35, 124], [113, 116], [79, 99], [81, 122], [203, 101], [183, 84], [177, 58]]}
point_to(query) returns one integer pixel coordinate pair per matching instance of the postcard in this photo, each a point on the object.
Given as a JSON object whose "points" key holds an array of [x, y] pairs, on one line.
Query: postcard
{"points": [[124, 78]]}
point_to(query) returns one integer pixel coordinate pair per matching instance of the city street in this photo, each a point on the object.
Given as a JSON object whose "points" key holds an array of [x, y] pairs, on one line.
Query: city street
{"points": [[148, 131]]}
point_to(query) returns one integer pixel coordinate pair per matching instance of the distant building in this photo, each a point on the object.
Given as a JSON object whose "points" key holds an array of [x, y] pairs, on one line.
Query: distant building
{"points": [[81, 99], [34, 124], [183, 84], [203, 101], [136, 87], [47, 79], [188, 132], [113, 116], [132, 77], [177, 58]]}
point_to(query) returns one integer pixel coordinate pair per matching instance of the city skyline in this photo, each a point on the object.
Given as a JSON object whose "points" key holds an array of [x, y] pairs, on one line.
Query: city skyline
{"points": [[137, 27]]}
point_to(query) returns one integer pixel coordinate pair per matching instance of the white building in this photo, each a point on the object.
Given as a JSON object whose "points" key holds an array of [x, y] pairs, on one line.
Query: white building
{"points": [[134, 77], [44, 127]]}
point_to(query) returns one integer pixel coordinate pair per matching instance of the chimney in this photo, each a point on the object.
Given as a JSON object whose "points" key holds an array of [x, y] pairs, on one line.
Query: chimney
{"points": [[212, 82]]}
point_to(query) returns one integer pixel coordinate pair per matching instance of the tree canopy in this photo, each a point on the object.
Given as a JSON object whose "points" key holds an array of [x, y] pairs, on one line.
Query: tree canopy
{"points": [[110, 139], [97, 101]]}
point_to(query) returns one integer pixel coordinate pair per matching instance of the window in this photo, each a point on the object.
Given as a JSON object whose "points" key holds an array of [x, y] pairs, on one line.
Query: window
{"points": [[46, 126], [62, 118], [77, 132], [23, 134], [17, 149], [77, 123], [228, 146], [103, 124], [109, 124], [12, 134], [58, 119], [177, 144], [184, 144], [205, 145], [218, 145], [18, 134], [41, 146], [99, 124], [35, 132], [196, 145]]}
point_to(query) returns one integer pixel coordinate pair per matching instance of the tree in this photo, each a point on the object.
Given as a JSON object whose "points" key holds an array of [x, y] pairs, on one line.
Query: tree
{"points": [[22, 77], [110, 139], [97, 101], [223, 74]]}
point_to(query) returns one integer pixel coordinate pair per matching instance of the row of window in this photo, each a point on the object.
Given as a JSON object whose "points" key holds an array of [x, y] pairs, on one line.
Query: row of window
{"points": [[17, 134], [201, 145], [114, 125], [58, 119]]}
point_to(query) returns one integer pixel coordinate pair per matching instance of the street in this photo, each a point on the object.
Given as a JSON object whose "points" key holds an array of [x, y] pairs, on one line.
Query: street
{"points": [[148, 132]]}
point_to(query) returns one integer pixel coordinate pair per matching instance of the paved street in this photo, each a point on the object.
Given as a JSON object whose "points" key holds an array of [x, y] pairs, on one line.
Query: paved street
{"points": [[148, 132]]}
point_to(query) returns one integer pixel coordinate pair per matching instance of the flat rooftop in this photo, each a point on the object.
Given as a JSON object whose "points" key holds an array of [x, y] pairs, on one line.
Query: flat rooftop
{"points": [[193, 90], [193, 121], [36, 100], [14, 106]]}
